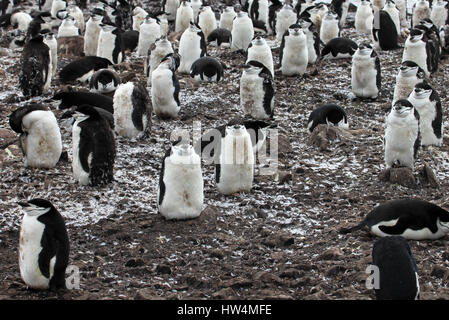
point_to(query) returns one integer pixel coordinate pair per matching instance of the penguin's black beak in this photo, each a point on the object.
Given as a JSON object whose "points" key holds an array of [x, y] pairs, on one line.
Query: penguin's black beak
{"points": [[246, 66], [23, 204]]}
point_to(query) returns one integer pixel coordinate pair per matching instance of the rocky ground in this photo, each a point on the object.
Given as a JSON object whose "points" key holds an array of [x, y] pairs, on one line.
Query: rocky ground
{"points": [[279, 241]]}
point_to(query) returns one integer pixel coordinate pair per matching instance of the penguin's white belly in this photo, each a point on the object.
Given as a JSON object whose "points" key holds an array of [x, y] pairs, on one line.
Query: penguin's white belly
{"points": [[263, 55], [329, 30], [190, 51], [71, 31], [106, 45], [183, 197], [427, 114], [251, 96], [295, 57], [410, 234], [242, 34], [363, 79], [399, 145], [404, 86], [417, 54], [147, 37], [438, 17], [29, 248], [78, 172], [123, 108], [162, 94], [91, 38], [282, 24]]}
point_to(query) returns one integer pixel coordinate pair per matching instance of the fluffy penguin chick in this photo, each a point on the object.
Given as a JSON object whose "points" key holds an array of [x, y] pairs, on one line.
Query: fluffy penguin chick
{"points": [[184, 15], [408, 76], [207, 20], [427, 102], [40, 137], [91, 35], [421, 10], [439, 14], [165, 89], [93, 147], [260, 51], [329, 27], [242, 32], [159, 50], [132, 110], [256, 91], [181, 184], [284, 19], [192, 46], [365, 72], [150, 31], [43, 246], [294, 55], [227, 17], [235, 170], [364, 17], [68, 28], [415, 50], [52, 43], [402, 138]]}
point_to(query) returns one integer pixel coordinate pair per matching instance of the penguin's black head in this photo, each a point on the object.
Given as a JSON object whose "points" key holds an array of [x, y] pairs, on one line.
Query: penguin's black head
{"points": [[422, 90], [403, 108], [172, 60], [295, 29], [85, 111], [416, 35], [411, 69], [62, 14], [36, 207], [258, 41]]}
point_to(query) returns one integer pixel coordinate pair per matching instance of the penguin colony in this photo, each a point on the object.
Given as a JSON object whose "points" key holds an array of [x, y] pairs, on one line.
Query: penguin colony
{"points": [[306, 34]]}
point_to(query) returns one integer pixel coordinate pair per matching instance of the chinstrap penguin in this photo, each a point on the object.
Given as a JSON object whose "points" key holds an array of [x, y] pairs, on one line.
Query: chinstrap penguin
{"points": [[330, 114]]}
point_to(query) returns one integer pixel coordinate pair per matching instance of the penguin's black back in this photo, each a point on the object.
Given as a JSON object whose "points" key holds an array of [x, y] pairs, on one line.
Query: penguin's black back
{"points": [[104, 76], [397, 269], [54, 242], [419, 213], [130, 39], [339, 45], [97, 137], [207, 66], [78, 98], [140, 100], [387, 34], [332, 112], [35, 65], [80, 67], [222, 35]]}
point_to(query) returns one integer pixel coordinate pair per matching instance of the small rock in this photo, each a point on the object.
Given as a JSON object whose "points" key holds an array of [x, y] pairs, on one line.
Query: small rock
{"points": [[163, 269], [71, 46], [291, 273], [403, 176], [429, 176], [331, 254], [332, 272], [284, 177], [223, 293], [217, 254], [237, 283], [147, 294], [439, 272], [267, 277], [132, 263]]}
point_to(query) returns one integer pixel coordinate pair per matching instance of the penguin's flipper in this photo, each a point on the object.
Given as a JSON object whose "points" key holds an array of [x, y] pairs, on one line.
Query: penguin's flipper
{"points": [[352, 229], [401, 225]]}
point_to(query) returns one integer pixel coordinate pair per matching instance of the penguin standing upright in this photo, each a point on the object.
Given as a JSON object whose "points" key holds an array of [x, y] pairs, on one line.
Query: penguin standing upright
{"points": [[439, 13], [235, 170], [258, 11], [260, 51], [365, 72], [398, 273], [427, 102], [207, 20], [284, 19], [82, 69], [192, 46], [139, 16], [294, 56], [35, 75], [329, 27], [313, 40], [68, 28], [402, 136], [242, 32], [412, 219], [433, 43], [150, 31], [77, 14], [401, 5], [165, 88], [159, 50], [341, 8], [196, 7], [384, 32], [408, 76], [170, 7], [43, 246], [91, 35], [40, 137], [378, 4], [226, 18], [93, 146], [110, 45], [421, 10], [257, 91], [52, 43], [393, 11], [180, 194], [132, 110], [184, 16], [416, 50], [364, 17]]}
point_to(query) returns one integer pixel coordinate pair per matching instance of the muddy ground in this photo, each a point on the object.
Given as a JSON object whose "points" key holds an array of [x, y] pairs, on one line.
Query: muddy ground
{"points": [[279, 241]]}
